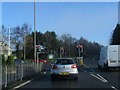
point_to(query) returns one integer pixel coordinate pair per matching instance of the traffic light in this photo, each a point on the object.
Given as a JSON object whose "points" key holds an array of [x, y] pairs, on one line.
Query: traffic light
{"points": [[61, 50], [77, 46], [38, 48], [80, 47]]}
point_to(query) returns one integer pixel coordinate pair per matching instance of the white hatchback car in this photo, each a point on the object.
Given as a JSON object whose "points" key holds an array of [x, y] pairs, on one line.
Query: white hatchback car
{"points": [[64, 68]]}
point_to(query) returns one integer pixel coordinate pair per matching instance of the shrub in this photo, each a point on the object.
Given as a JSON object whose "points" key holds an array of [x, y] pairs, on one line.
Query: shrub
{"points": [[10, 60], [3, 60]]}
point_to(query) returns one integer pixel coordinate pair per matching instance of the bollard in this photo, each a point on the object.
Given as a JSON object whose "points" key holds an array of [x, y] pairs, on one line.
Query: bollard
{"points": [[81, 62]]}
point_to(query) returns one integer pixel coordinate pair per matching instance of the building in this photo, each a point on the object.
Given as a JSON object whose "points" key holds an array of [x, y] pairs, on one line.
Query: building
{"points": [[5, 49]]}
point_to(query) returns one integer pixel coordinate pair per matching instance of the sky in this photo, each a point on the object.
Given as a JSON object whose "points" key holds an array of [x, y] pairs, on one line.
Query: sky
{"points": [[95, 21]]}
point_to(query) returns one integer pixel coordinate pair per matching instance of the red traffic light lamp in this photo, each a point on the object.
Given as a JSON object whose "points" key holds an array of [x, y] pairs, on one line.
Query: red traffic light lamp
{"points": [[37, 46], [61, 48], [79, 46]]}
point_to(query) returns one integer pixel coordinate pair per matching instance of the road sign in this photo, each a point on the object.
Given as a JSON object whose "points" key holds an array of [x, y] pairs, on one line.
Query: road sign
{"points": [[80, 58], [51, 56]]}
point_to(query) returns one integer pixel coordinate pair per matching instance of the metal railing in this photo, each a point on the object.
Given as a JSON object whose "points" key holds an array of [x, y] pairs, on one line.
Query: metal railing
{"points": [[11, 73]]}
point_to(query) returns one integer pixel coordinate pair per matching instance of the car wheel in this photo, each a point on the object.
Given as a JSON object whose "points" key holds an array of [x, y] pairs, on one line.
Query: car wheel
{"points": [[99, 66], [106, 67]]}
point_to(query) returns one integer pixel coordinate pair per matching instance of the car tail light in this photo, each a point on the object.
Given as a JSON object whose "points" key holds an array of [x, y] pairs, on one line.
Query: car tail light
{"points": [[54, 67], [73, 66], [106, 60]]}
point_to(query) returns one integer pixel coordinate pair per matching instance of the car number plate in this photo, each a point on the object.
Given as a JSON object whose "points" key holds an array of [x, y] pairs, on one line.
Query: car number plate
{"points": [[112, 61], [64, 73]]}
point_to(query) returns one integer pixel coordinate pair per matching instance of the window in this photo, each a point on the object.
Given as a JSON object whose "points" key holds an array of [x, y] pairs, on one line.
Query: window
{"points": [[64, 61]]}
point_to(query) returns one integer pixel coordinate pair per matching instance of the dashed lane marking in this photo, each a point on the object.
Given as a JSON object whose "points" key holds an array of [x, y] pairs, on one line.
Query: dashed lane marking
{"points": [[114, 87], [83, 70], [44, 72], [22, 84], [92, 70]]}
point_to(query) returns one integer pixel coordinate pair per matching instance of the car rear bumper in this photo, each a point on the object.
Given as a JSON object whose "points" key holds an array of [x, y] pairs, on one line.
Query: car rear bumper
{"points": [[114, 65], [64, 76]]}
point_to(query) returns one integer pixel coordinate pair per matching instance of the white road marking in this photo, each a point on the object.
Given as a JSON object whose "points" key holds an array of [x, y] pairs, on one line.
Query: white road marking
{"points": [[102, 77], [83, 70], [86, 66], [92, 70], [89, 68], [44, 72], [22, 84], [114, 87], [16, 87], [97, 77]]}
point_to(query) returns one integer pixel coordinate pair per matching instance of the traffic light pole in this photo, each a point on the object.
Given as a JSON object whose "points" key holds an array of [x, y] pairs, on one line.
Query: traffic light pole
{"points": [[60, 52], [37, 61], [60, 55], [79, 51]]}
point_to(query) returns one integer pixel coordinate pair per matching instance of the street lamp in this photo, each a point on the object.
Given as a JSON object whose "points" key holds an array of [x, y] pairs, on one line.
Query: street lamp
{"points": [[24, 45], [34, 30], [9, 41]]}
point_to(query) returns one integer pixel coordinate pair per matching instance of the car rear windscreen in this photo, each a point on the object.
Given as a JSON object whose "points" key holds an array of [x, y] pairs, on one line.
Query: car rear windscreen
{"points": [[65, 61]]}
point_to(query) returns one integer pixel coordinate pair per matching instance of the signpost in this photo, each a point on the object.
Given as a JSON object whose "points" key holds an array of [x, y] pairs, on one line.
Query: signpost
{"points": [[51, 56]]}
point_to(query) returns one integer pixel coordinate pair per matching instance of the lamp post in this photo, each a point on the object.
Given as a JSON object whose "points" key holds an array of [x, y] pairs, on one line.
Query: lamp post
{"points": [[9, 41], [34, 30], [24, 45]]}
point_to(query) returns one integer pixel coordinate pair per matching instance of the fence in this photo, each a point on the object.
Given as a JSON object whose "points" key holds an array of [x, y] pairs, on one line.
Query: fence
{"points": [[12, 73]]}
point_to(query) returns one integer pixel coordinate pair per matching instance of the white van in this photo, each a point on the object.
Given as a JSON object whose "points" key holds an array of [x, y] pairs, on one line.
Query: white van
{"points": [[109, 57]]}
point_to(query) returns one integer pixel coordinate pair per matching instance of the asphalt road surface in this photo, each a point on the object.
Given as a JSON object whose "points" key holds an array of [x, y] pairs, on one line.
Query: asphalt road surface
{"points": [[89, 77]]}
